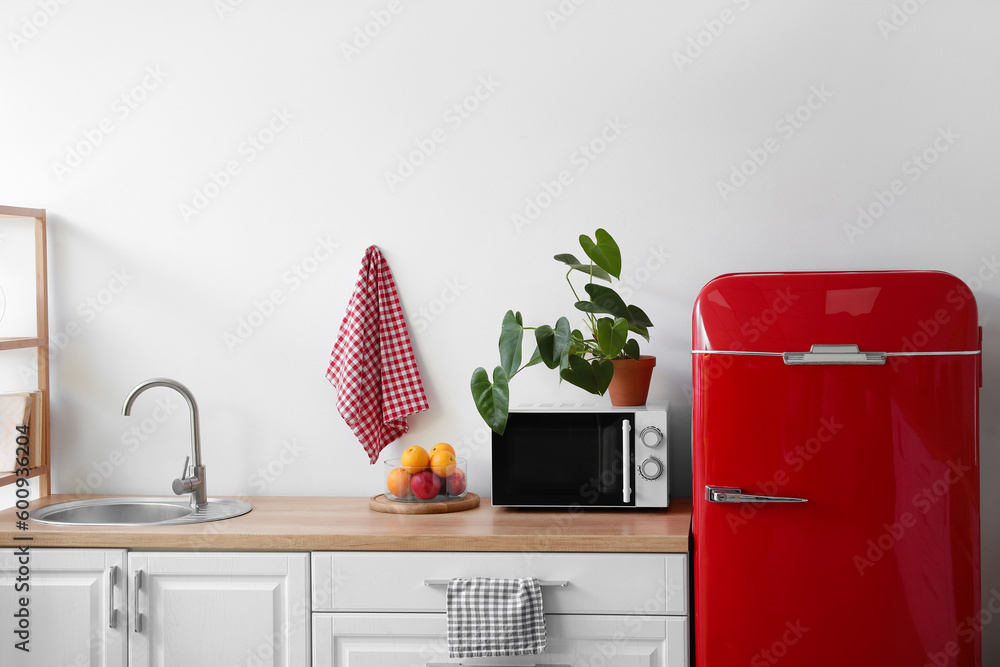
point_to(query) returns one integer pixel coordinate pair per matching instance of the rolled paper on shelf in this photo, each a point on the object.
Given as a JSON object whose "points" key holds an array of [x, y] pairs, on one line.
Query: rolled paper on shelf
{"points": [[15, 410]]}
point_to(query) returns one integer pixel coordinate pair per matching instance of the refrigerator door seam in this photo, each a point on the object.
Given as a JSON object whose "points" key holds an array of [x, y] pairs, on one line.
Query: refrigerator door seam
{"points": [[888, 354]]}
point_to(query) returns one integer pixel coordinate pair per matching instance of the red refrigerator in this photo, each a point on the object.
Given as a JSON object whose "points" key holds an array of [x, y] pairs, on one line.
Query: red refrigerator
{"points": [[836, 470]]}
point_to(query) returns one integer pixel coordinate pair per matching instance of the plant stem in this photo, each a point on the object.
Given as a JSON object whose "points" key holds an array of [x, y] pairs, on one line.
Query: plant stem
{"points": [[570, 283], [517, 371], [590, 316]]}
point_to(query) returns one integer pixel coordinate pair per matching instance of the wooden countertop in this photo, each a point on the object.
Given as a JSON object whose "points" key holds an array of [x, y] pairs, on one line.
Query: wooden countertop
{"points": [[342, 524]]}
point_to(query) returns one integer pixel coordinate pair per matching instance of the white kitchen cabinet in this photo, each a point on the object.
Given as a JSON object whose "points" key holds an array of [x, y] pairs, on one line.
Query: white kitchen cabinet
{"points": [[76, 606], [403, 640], [218, 609], [106, 608], [388, 608], [112, 608]]}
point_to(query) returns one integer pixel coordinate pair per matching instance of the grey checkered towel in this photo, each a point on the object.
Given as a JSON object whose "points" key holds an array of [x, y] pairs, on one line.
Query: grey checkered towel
{"points": [[495, 617]]}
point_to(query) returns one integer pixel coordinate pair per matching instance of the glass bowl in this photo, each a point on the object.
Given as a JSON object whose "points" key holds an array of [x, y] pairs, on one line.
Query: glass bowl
{"points": [[410, 484]]}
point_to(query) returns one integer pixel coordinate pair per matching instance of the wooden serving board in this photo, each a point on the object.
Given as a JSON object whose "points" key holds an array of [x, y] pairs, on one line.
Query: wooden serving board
{"points": [[380, 503]]}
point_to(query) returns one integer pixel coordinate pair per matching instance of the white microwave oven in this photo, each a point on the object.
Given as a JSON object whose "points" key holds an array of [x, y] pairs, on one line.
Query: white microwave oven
{"points": [[582, 456]]}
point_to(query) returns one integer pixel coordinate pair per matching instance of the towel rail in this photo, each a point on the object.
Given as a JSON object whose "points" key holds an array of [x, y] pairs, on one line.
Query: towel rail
{"points": [[459, 664], [541, 582]]}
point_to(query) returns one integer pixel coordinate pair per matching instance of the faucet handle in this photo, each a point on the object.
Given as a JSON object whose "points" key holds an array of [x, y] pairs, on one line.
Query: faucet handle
{"points": [[182, 484]]}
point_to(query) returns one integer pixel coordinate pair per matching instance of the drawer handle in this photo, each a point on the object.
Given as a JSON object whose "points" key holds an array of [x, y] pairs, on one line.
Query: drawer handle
{"points": [[460, 664], [541, 582]]}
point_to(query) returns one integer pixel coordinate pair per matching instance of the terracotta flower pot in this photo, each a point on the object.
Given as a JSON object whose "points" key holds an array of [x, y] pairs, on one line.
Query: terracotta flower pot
{"points": [[630, 383]]}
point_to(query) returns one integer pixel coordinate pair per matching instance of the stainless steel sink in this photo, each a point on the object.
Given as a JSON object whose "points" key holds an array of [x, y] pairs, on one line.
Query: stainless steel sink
{"points": [[195, 508], [137, 512]]}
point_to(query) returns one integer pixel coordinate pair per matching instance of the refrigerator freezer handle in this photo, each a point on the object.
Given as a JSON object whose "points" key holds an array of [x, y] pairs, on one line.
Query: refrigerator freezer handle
{"points": [[834, 354], [728, 494]]}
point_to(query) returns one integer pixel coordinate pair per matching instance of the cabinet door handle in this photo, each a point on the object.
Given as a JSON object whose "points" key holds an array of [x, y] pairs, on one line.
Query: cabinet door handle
{"points": [[112, 612], [541, 582], [137, 617]]}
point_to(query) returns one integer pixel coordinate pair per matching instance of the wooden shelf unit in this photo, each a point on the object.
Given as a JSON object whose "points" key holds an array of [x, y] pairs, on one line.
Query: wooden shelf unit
{"points": [[40, 341], [20, 343], [10, 478]]}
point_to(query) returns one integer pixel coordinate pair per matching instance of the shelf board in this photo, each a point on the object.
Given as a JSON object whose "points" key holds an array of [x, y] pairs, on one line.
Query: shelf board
{"points": [[19, 212], [18, 343], [8, 478]]}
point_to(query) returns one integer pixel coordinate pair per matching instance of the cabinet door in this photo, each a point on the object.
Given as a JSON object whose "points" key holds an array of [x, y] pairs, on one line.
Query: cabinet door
{"points": [[404, 640], [76, 607], [212, 609]]}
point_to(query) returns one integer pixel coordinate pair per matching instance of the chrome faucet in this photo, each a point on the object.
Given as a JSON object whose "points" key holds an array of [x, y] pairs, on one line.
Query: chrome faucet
{"points": [[193, 483]]}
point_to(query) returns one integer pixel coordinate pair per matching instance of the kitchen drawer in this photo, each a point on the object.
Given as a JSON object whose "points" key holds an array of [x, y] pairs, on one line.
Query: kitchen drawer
{"points": [[406, 640], [602, 583]]}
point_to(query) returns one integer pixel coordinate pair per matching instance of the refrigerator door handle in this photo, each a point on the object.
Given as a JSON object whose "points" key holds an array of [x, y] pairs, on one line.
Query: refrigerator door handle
{"points": [[834, 354], [728, 494]]}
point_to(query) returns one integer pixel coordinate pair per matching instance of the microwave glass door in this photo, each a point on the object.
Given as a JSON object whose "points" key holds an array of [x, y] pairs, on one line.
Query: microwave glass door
{"points": [[563, 459]]}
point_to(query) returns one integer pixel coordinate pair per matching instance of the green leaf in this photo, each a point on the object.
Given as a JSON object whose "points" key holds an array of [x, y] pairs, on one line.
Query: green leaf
{"points": [[639, 317], [606, 300], [589, 269], [492, 399], [603, 371], [511, 334], [545, 344], [553, 343], [580, 374], [631, 349], [611, 336], [536, 358], [639, 330], [593, 377], [589, 307], [604, 252]]}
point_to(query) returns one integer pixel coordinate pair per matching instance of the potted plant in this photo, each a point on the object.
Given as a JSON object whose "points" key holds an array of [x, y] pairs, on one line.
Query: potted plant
{"points": [[604, 355]]}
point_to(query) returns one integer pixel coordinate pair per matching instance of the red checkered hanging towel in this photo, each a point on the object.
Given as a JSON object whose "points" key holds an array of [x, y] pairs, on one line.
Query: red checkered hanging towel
{"points": [[372, 364]]}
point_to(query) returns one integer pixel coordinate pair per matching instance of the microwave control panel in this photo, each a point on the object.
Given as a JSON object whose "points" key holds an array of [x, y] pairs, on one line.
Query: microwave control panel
{"points": [[650, 458]]}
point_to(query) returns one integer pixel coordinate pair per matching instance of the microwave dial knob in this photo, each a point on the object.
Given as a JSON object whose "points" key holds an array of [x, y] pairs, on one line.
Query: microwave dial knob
{"points": [[651, 436], [651, 468]]}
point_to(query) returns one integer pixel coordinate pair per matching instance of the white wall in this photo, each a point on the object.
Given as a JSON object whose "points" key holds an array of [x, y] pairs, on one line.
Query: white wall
{"points": [[344, 118]]}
